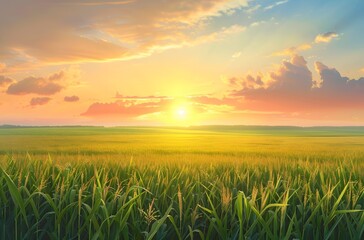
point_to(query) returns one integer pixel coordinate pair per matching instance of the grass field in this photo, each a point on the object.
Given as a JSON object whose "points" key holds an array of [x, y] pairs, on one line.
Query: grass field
{"points": [[182, 183]]}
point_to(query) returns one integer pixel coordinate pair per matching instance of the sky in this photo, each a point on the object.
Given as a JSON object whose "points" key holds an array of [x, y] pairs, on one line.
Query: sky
{"points": [[186, 62]]}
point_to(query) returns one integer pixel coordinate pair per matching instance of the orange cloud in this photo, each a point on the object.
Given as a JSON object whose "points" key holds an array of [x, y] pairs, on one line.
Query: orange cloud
{"points": [[71, 98], [124, 97], [135, 106], [50, 85], [5, 81], [125, 108], [37, 85], [39, 101], [75, 31], [293, 50]]}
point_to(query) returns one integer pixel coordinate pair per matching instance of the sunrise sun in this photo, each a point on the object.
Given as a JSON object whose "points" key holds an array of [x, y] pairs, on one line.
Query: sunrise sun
{"points": [[181, 113]]}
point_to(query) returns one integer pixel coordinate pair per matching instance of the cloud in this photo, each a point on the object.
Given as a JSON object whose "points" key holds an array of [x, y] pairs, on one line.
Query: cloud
{"points": [[38, 85], [256, 24], [5, 81], [326, 37], [39, 101], [137, 106], [71, 98], [77, 31], [293, 50], [291, 88], [50, 85], [321, 38], [209, 101], [150, 97], [276, 4], [249, 82], [125, 108], [253, 9]]}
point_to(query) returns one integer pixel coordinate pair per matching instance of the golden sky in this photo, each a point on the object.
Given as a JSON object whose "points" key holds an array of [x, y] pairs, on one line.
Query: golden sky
{"points": [[186, 62]]}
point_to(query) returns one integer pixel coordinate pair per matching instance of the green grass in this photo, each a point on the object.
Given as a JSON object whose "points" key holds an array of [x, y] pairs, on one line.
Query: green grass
{"points": [[176, 183]]}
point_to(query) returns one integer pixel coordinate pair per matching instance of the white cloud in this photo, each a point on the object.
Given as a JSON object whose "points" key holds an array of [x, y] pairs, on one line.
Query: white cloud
{"points": [[276, 4]]}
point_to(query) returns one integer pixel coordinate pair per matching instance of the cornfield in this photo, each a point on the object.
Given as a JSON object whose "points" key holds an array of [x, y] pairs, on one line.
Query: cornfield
{"points": [[182, 190]]}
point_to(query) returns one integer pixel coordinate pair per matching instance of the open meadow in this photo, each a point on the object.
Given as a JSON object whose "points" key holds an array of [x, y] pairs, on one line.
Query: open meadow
{"points": [[223, 182]]}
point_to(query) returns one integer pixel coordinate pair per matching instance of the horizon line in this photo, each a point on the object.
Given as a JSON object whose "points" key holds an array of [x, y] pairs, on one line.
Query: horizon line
{"points": [[177, 126]]}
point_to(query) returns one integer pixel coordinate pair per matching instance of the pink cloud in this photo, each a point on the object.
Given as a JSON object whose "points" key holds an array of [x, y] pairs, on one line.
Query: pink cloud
{"points": [[291, 88]]}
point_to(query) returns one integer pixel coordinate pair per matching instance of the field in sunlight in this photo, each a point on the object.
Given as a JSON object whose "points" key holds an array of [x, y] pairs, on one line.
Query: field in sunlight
{"points": [[182, 183]]}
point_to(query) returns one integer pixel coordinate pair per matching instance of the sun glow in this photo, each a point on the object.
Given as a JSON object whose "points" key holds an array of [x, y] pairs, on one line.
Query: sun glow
{"points": [[181, 113]]}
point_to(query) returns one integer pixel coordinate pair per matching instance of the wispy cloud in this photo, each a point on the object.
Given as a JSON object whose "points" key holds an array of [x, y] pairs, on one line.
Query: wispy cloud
{"points": [[253, 9], [256, 24], [150, 97], [79, 31], [293, 50], [276, 4], [321, 38], [126, 109]]}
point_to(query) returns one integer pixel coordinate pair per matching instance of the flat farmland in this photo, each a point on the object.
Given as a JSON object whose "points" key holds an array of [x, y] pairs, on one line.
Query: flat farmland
{"points": [[212, 182]]}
